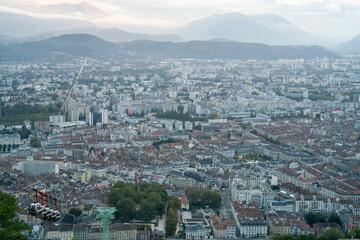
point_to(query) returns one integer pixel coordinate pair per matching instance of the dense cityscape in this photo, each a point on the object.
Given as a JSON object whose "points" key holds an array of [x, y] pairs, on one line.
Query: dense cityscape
{"points": [[185, 148]]}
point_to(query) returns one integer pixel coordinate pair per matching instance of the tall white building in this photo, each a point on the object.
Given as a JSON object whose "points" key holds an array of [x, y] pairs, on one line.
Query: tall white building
{"points": [[274, 180], [104, 116], [57, 119], [310, 203], [178, 126], [188, 125], [248, 188], [37, 167], [306, 94]]}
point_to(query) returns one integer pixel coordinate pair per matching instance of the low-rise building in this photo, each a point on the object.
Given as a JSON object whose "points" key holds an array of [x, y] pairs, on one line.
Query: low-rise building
{"points": [[83, 176], [282, 206], [184, 202], [249, 219], [64, 232], [10, 139], [195, 232], [277, 225], [352, 223], [223, 228], [182, 182], [287, 224]]}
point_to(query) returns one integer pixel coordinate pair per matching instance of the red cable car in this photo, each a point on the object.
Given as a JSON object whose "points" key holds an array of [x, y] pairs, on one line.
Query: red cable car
{"points": [[56, 214], [43, 210], [35, 208]]}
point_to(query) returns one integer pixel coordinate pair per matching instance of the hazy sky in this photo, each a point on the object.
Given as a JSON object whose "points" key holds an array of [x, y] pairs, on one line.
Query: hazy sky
{"points": [[338, 19]]}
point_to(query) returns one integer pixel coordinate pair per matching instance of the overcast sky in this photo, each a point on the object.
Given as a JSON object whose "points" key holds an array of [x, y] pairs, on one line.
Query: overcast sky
{"points": [[338, 19]]}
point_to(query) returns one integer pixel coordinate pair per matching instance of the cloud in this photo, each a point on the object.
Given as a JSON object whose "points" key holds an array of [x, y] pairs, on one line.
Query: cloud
{"points": [[333, 7], [313, 15], [297, 2], [124, 19]]}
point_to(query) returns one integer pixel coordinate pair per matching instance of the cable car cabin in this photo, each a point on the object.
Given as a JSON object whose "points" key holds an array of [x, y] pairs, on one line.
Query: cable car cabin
{"points": [[43, 210]]}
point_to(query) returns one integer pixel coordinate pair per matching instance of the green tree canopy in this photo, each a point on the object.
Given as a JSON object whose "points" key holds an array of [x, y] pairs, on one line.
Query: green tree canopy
{"points": [[20, 112], [143, 201], [172, 216], [76, 211], [312, 218], [334, 218], [34, 142], [291, 237], [331, 234], [320, 218], [355, 233], [201, 199], [282, 237], [11, 228]]}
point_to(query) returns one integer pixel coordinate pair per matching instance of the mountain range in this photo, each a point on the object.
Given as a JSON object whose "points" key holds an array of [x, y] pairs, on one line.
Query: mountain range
{"points": [[20, 25], [269, 29], [353, 44], [76, 45], [108, 34], [224, 50], [231, 27], [59, 48]]}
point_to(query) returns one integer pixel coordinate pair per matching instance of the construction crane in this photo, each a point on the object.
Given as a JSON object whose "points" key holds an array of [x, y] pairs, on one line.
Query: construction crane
{"points": [[72, 86]]}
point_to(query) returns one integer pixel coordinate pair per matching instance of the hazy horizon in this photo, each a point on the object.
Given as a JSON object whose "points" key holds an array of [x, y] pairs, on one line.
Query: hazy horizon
{"points": [[334, 18]]}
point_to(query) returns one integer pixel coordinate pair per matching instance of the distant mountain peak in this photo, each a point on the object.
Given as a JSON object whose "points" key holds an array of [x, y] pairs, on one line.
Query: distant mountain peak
{"points": [[353, 45], [20, 25], [267, 28], [60, 47], [272, 17]]}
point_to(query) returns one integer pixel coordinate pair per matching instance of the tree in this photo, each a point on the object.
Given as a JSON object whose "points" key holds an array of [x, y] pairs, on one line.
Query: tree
{"points": [[305, 237], [24, 133], [211, 199], [331, 234], [355, 233], [201, 199], [125, 209], [320, 218], [194, 198], [147, 210], [172, 217], [171, 222], [76, 211], [11, 228], [54, 97], [334, 218], [170, 140], [290, 237], [282, 237], [34, 142], [312, 218], [143, 201]]}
